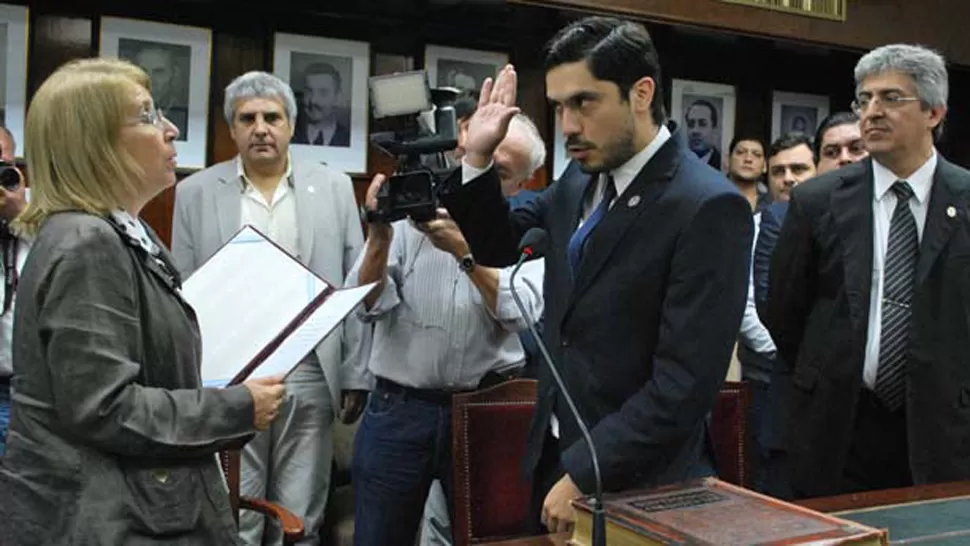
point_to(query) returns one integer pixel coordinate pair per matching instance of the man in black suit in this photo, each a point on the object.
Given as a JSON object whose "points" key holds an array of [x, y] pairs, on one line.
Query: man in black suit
{"points": [[700, 118], [647, 267], [317, 122], [868, 296]]}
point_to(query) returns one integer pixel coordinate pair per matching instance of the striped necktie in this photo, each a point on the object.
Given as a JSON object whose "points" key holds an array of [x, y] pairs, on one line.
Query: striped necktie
{"points": [[899, 275]]}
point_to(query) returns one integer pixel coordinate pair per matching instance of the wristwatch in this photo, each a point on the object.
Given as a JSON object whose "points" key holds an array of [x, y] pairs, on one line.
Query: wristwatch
{"points": [[466, 263]]}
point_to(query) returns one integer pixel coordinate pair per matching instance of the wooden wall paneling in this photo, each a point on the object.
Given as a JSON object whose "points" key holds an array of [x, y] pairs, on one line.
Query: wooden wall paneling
{"points": [[54, 40]]}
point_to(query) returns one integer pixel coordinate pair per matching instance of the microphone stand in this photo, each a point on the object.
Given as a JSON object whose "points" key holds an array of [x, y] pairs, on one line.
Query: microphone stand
{"points": [[599, 513]]}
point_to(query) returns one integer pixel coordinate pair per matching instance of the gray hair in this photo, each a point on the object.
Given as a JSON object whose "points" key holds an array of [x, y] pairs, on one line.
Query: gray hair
{"points": [[262, 85], [537, 152]]}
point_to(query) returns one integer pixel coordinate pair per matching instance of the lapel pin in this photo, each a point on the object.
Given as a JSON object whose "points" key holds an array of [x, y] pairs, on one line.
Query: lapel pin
{"points": [[311, 189], [951, 211], [634, 201]]}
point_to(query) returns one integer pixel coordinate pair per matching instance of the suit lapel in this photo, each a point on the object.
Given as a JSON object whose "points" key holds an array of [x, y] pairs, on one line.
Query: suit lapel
{"points": [[942, 216], [227, 202], [852, 210], [640, 196], [305, 196]]}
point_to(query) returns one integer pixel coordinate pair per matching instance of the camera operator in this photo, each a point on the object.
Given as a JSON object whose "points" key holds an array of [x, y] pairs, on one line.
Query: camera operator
{"points": [[443, 325], [13, 199]]}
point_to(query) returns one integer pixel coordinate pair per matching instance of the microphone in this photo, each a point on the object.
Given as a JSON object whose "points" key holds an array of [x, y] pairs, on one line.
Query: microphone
{"points": [[534, 244]]}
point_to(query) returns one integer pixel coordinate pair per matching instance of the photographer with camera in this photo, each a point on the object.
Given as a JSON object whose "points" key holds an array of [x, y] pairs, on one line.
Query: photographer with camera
{"points": [[443, 325], [13, 199]]}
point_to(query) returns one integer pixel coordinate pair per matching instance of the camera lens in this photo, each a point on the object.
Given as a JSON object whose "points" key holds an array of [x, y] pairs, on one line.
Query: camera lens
{"points": [[9, 178]]}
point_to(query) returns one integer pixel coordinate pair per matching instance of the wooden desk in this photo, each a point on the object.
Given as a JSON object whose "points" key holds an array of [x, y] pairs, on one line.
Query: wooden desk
{"points": [[558, 539], [930, 514]]}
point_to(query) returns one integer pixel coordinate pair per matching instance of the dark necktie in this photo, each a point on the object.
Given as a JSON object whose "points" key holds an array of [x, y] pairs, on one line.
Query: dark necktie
{"points": [[578, 240], [319, 140], [898, 283]]}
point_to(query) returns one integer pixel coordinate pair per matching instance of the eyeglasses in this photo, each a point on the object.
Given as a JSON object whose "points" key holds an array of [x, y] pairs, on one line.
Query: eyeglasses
{"points": [[150, 115], [890, 101]]}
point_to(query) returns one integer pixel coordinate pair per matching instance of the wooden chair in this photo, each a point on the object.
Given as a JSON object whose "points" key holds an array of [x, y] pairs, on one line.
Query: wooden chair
{"points": [[292, 525], [489, 429], [730, 433]]}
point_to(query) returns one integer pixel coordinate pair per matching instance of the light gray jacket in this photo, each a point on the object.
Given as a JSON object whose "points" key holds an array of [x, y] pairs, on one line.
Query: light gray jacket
{"points": [[208, 206]]}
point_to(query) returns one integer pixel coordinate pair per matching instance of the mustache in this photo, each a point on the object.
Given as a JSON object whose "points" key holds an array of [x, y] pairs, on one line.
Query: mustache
{"points": [[573, 141]]}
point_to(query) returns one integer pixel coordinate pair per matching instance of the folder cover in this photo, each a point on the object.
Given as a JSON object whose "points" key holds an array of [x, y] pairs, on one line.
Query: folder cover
{"points": [[260, 310]]}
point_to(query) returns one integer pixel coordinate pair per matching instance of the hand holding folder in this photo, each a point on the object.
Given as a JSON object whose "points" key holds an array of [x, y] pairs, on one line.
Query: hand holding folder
{"points": [[260, 310]]}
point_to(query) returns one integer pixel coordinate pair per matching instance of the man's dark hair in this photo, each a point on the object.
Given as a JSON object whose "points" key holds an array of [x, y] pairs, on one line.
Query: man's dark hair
{"points": [[324, 68], [615, 50], [707, 104], [830, 121], [788, 141], [738, 139]]}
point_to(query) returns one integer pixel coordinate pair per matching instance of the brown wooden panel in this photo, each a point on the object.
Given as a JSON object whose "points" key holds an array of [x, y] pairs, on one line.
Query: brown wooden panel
{"points": [[868, 24], [54, 40], [232, 56]]}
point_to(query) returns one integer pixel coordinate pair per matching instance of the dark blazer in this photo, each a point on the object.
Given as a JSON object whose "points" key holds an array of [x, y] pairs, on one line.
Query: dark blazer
{"points": [[644, 334], [818, 313], [340, 137], [112, 439], [715, 160], [772, 217]]}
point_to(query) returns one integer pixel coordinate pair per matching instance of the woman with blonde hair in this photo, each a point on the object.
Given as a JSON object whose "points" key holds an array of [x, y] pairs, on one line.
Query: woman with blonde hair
{"points": [[112, 438]]}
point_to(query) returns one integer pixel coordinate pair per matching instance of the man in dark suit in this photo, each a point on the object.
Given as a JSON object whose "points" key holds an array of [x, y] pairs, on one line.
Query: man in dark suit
{"points": [[868, 300], [700, 119], [317, 122], [646, 274]]}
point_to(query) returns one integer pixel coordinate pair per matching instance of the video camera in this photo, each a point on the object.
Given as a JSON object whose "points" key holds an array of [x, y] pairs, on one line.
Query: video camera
{"points": [[10, 176], [412, 192]]}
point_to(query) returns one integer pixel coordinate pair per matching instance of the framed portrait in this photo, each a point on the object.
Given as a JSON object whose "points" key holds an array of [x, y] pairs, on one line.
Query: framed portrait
{"points": [[797, 112], [177, 58], [13, 66], [705, 112], [329, 79], [465, 69]]}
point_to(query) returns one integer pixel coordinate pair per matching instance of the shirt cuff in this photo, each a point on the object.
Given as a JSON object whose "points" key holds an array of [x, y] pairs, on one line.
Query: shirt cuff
{"points": [[387, 301], [469, 173]]}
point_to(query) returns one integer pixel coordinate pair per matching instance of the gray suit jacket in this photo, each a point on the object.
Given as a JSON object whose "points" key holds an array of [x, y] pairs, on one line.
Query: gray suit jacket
{"points": [[208, 207], [112, 440]]}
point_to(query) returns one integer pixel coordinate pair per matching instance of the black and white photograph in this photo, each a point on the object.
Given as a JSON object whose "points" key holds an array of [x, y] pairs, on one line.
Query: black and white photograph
{"points": [[797, 112], [329, 81], [465, 69], [168, 66], [13, 67], [322, 105], [705, 113], [177, 60]]}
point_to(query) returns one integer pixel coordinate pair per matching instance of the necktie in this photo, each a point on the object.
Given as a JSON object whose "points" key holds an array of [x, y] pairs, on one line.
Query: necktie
{"points": [[319, 140], [578, 240], [898, 282]]}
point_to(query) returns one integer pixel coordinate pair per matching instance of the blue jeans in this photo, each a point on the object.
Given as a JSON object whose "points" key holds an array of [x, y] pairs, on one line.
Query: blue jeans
{"points": [[4, 415], [402, 445]]}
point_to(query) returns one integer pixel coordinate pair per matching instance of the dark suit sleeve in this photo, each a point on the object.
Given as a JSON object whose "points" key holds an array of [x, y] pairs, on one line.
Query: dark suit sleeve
{"points": [[791, 283], [490, 227], [705, 298], [88, 321], [763, 248]]}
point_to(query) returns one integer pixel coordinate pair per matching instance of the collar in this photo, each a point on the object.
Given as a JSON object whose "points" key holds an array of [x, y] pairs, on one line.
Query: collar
{"points": [[134, 230], [624, 175], [921, 181], [241, 171]]}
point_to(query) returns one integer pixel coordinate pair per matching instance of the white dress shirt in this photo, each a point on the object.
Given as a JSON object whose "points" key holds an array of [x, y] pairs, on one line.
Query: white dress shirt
{"points": [[883, 204], [753, 332], [623, 176], [6, 321], [275, 219]]}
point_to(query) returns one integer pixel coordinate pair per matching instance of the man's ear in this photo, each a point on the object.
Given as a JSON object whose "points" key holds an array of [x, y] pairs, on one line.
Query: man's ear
{"points": [[641, 94]]}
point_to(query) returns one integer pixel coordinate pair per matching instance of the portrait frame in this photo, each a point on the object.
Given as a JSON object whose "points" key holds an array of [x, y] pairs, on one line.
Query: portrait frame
{"points": [[292, 49], [785, 106], [194, 85], [723, 96], [473, 61], [14, 104]]}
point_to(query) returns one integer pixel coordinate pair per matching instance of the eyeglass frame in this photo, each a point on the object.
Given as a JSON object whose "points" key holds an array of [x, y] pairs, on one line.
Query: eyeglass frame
{"points": [[862, 104], [150, 115]]}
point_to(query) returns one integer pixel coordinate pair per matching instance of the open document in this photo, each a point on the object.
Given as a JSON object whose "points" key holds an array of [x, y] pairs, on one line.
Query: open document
{"points": [[260, 310]]}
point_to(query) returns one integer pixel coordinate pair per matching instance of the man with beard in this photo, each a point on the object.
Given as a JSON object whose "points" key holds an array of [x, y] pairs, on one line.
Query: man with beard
{"points": [[648, 265], [310, 211], [317, 122]]}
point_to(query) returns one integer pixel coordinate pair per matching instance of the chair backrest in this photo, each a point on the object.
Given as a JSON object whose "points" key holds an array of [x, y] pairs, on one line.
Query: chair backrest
{"points": [[730, 433], [489, 430]]}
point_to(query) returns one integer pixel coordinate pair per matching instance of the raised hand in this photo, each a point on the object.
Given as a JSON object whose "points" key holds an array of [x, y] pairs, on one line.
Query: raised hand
{"points": [[490, 122]]}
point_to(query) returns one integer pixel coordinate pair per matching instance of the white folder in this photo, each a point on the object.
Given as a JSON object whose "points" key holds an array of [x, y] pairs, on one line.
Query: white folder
{"points": [[260, 310]]}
